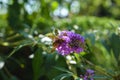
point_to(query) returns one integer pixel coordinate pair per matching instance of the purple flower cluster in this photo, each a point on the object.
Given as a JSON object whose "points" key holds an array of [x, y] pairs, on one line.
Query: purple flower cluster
{"points": [[88, 75], [70, 42]]}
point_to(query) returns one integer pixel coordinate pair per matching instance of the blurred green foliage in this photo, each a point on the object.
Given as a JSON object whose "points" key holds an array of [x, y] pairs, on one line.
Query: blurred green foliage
{"points": [[24, 56]]}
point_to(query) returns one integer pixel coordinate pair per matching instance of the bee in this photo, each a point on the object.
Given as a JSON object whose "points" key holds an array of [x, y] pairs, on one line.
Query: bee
{"points": [[56, 40], [56, 43]]}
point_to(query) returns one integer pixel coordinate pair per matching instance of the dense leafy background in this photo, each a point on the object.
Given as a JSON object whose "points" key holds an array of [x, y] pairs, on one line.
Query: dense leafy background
{"points": [[25, 23]]}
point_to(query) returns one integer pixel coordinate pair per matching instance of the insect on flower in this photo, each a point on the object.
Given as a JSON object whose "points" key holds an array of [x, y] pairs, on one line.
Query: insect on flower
{"points": [[67, 42], [57, 42]]}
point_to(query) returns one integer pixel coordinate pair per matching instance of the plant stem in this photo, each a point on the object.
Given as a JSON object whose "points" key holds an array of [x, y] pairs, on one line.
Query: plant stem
{"points": [[7, 72]]}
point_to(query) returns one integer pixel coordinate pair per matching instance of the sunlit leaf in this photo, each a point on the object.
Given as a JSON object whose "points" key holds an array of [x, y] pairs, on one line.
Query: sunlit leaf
{"points": [[23, 43], [2, 63], [54, 5], [62, 76]]}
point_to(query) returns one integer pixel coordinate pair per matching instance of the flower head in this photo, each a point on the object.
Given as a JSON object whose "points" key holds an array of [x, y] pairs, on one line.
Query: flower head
{"points": [[88, 75], [69, 42]]}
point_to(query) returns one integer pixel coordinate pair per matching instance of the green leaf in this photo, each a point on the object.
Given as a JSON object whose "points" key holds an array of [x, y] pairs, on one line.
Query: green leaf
{"points": [[79, 79], [22, 44], [16, 49], [100, 77], [91, 37], [37, 62], [62, 76], [115, 41], [63, 69]]}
